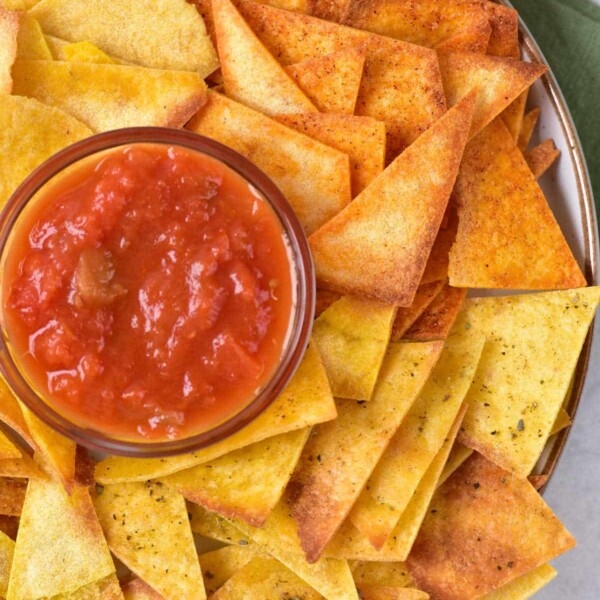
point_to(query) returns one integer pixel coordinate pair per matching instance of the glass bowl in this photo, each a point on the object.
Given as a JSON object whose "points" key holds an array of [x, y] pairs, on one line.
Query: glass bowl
{"points": [[300, 258]]}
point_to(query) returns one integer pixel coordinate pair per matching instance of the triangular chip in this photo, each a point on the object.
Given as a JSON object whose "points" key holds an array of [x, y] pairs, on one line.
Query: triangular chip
{"points": [[211, 525], [103, 589], [377, 592], [24, 467], [108, 97], [306, 401], [60, 546], [563, 420], [220, 565], [147, 528], [31, 42], [265, 578], [507, 235], [534, 341], [542, 157], [250, 73], [174, 36], [416, 442], [352, 336], [377, 247], [437, 319], [137, 589], [388, 574], [86, 52], [7, 549], [499, 81], [401, 83], [314, 178], [460, 553], [514, 114], [12, 495], [361, 138], [436, 268], [458, 455], [504, 21], [7, 448], [452, 24], [405, 317], [9, 29], [525, 586], [340, 456], [528, 125], [331, 81], [245, 484]]}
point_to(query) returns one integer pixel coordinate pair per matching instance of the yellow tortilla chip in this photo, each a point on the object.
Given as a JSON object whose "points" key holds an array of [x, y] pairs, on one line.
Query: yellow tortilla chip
{"points": [[314, 178], [174, 36], [458, 455], [103, 589], [306, 401], [108, 97], [60, 546], [507, 235], [352, 336], [563, 420], [7, 548], [30, 41], [361, 138], [86, 52], [213, 526], [147, 528], [533, 344], [415, 444], [401, 83], [245, 484], [542, 157], [387, 574], [405, 317], [265, 578], [7, 448], [9, 29], [504, 21], [331, 81], [136, 589], [12, 496], [324, 300], [460, 553], [377, 247], [498, 80], [376, 592], [340, 456], [436, 321], [250, 73], [24, 467], [220, 565], [530, 121], [452, 24], [525, 586]]}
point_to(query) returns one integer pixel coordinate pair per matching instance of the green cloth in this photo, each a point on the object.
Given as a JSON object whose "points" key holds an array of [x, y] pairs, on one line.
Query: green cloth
{"points": [[568, 32]]}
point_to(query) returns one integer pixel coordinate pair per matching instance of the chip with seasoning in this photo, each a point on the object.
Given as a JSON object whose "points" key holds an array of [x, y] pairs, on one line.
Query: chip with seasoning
{"points": [[220, 565]]}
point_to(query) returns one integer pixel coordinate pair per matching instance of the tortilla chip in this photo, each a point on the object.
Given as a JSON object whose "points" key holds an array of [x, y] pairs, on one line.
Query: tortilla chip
{"points": [[136, 589], [174, 36], [375, 592], [387, 574], [340, 456], [514, 114], [245, 484], [415, 444], [436, 321], [30, 41], [405, 317], [265, 578], [324, 300], [563, 420], [542, 157], [9, 29], [530, 121], [498, 80], [525, 586], [24, 467], [147, 528], [7, 448], [331, 81], [213, 526], [445, 25], [534, 341], [103, 589], [86, 52], [377, 247], [60, 546], [12, 496], [538, 481], [460, 553], [9, 526], [504, 40], [352, 336], [401, 83], [361, 138], [507, 235], [458, 455], [220, 565], [106, 97], [7, 548], [306, 401], [436, 268], [314, 178]]}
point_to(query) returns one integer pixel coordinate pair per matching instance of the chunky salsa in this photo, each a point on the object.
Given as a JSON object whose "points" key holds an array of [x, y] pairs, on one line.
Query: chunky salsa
{"points": [[148, 292]]}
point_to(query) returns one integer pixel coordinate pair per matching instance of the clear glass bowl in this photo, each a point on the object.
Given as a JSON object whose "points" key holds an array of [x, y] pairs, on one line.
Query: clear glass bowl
{"points": [[303, 310]]}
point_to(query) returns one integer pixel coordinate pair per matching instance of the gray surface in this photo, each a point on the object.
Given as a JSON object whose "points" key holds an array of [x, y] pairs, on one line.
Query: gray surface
{"points": [[574, 494]]}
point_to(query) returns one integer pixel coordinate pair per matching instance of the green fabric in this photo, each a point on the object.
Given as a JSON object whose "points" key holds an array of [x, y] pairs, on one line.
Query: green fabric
{"points": [[568, 32]]}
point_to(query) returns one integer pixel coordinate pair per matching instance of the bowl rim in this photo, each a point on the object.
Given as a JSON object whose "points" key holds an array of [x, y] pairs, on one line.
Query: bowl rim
{"points": [[300, 262]]}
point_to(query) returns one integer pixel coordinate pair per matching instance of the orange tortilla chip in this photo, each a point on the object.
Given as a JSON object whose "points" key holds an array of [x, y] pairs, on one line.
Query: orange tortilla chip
{"points": [[9, 526], [461, 552], [12, 496], [361, 138], [340, 456], [378, 246], [514, 114], [504, 21], [437, 319], [538, 481], [401, 84], [9, 30], [250, 73], [528, 125], [542, 157], [8, 448], [332, 81], [507, 235], [448, 25], [436, 268], [499, 81], [314, 178]]}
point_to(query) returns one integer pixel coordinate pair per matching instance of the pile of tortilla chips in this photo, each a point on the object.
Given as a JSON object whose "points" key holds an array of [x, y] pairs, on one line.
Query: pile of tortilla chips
{"points": [[400, 461]]}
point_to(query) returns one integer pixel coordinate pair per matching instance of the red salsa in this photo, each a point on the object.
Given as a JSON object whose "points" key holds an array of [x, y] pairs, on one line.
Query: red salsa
{"points": [[148, 292]]}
